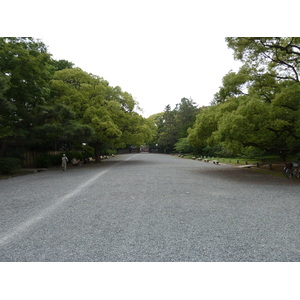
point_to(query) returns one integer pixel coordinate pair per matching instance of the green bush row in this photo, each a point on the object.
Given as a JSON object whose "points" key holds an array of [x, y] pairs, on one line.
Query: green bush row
{"points": [[9, 164]]}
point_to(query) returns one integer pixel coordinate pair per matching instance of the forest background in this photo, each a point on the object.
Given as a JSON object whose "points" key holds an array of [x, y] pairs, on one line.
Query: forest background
{"points": [[50, 105]]}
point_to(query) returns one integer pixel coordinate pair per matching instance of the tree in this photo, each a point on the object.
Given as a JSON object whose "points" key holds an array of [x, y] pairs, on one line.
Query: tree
{"points": [[234, 85], [183, 146], [173, 124], [277, 56], [205, 125], [60, 129], [25, 68], [107, 110], [62, 64], [259, 105], [186, 112], [167, 130], [153, 122]]}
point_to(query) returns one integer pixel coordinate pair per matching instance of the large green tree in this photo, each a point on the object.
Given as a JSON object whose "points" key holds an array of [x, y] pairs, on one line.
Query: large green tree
{"points": [[173, 124], [167, 130], [48, 104], [259, 106], [186, 112], [25, 71], [108, 111], [278, 57]]}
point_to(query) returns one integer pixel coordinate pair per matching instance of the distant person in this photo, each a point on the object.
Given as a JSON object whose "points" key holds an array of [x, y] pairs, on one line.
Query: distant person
{"points": [[64, 161]]}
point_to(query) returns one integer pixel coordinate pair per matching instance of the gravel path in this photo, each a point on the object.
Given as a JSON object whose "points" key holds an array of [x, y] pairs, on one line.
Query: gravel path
{"points": [[149, 207]]}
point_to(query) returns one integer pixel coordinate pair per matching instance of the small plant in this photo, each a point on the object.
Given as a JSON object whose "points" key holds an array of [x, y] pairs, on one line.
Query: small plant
{"points": [[9, 164]]}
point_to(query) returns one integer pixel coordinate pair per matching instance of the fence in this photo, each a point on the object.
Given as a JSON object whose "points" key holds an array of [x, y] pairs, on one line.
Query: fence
{"points": [[30, 157]]}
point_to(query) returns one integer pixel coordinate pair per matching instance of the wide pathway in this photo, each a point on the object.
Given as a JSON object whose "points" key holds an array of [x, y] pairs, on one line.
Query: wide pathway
{"points": [[149, 207]]}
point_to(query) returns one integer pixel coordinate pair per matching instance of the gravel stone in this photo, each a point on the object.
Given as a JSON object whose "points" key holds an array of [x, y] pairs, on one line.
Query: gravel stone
{"points": [[150, 207]]}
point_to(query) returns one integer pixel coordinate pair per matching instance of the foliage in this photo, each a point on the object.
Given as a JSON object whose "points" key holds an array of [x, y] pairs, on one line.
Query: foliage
{"points": [[50, 105], [276, 56], [74, 154], [172, 125], [111, 152], [252, 152], [62, 64], [25, 70], [47, 160], [257, 109], [88, 151], [9, 164], [107, 112], [183, 146]]}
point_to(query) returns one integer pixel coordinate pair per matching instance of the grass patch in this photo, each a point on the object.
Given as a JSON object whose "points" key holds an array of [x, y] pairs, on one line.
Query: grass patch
{"points": [[269, 172]]}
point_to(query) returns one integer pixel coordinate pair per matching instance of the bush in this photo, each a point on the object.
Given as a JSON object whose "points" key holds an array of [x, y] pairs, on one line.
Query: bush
{"points": [[110, 152], [252, 152], [9, 164], [183, 146], [88, 151], [47, 160], [74, 154]]}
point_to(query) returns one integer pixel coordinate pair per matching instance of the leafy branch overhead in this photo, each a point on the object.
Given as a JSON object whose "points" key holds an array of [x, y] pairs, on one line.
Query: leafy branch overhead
{"points": [[49, 104], [259, 106], [52, 105]]}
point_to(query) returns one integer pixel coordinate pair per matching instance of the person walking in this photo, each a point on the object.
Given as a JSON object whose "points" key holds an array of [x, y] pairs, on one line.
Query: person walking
{"points": [[64, 161]]}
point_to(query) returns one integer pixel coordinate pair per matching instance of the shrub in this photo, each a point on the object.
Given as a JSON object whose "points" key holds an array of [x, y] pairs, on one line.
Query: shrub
{"points": [[183, 146], [9, 164], [44, 161], [88, 151], [110, 152], [47, 160], [252, 152], [74, 154]]}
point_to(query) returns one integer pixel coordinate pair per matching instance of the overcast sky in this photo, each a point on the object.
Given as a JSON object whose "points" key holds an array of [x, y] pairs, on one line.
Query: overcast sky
{"points": [[158, 51]]}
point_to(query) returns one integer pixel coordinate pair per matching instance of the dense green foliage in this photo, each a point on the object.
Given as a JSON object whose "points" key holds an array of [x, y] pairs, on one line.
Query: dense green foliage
{"points": [[172, 126], [50, 105], [257, 110], [9, 164]]}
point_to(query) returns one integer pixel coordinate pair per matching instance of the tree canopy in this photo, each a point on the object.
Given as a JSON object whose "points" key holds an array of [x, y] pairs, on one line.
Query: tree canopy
{"points": [[259, 106], [172, 125], [25, 70], [51, 105]]}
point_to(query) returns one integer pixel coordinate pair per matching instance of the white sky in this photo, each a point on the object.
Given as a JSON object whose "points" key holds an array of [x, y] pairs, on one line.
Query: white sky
{"points": [[158, 51]]}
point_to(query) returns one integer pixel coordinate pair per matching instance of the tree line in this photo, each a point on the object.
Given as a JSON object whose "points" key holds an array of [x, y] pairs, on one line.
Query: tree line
{"points": [[255, 112], [51, 105], [171, 127]]}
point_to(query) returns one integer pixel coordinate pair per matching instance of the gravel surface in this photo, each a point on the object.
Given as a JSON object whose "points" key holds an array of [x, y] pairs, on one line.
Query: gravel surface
{"points": [[149, 207]]}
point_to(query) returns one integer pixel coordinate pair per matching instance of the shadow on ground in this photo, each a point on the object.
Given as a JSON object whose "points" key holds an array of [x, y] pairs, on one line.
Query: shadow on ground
{"points": [[250, 176]]}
